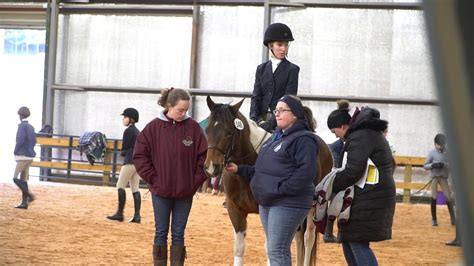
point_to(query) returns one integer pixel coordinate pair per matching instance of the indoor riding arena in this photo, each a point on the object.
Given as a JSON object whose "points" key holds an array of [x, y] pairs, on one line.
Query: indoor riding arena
{"points": [[67, 225], [86, 81]]}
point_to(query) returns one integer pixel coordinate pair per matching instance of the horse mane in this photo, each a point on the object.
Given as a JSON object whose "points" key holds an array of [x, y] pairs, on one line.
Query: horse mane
{"points": [[257, 135]]}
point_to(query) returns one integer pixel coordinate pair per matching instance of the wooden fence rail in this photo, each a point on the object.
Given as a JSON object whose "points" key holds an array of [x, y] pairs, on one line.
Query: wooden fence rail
{"points": [[109, 167]]}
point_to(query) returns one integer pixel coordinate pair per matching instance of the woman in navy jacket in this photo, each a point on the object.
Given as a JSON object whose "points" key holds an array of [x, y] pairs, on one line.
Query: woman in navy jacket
{"points": [[274, 78], [282, 178], [24, 155]]}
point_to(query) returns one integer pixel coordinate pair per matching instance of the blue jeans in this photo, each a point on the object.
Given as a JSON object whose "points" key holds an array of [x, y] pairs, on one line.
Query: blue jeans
{"points": [[280, 224], [359, 253], [179, 210]]}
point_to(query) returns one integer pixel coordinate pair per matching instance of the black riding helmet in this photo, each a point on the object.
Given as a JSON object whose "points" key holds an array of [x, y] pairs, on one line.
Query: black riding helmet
{"points": [[24, 112], [277, 32], [440, 139], [131, 113]]}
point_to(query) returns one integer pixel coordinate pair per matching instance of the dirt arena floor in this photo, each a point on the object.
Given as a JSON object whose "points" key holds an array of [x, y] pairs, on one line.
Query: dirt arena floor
{"points": [[66, 224]]}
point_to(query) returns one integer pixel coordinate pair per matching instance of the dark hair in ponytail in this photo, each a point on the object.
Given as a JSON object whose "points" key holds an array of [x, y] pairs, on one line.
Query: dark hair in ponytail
{"points": [[340, 116]]}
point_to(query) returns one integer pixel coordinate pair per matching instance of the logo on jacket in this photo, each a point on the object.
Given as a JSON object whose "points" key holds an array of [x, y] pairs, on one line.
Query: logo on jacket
{"points": [[188, 141], [278, 147]]}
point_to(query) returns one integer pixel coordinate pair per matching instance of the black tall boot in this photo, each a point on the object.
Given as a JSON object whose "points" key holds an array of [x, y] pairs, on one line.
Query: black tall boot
{"points": [[457, 241], [451, 212], [118, 216], [434, 221], [328, 235], [137, 202], [23, 185], [177, 256], [160, 255]]}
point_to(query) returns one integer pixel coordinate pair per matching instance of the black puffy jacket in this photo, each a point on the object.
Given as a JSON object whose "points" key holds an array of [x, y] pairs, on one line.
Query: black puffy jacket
{"points": [[373, 207]]}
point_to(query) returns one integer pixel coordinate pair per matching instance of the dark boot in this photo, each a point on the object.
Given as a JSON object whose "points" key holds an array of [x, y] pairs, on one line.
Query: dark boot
{"points": [[23, 185], [160, 255], [118, 216], [434, 221], [178, 254], [328, 235], [137, 201], [451, 212], [457, 241]]}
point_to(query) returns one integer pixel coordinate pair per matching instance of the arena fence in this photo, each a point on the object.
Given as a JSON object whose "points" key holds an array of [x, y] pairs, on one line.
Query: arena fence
{"points": [[60, 161]]}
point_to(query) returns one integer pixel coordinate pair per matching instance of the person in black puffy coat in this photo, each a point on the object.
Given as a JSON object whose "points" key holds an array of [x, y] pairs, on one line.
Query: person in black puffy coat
{"points": [[373, 206]]}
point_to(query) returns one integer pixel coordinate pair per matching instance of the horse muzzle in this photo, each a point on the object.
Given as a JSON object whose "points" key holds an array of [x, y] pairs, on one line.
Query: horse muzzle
{"points": [[213, 169]]}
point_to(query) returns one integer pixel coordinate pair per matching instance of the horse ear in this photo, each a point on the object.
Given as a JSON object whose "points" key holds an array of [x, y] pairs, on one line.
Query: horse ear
{"points": [[236, 107], [210, 102]]}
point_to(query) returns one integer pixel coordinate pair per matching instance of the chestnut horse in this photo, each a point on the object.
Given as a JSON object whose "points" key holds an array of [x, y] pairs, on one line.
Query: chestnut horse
{"points": [[233, 137]]}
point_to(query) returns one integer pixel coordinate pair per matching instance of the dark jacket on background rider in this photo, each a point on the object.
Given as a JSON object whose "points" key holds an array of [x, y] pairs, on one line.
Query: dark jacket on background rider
{"points": [[128, 143], [285, 168], [25, 140], [373, 206]]}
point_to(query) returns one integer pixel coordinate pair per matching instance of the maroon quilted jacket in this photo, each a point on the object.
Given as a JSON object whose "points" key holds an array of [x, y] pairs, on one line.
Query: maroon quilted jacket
{"points": [[169, 156]]}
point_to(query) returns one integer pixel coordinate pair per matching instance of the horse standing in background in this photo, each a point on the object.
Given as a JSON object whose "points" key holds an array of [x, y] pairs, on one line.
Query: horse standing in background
{"points": [[233, 137]]}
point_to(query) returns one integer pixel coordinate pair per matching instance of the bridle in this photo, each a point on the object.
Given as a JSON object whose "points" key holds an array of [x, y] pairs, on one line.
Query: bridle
{"points": [[229, 149]]}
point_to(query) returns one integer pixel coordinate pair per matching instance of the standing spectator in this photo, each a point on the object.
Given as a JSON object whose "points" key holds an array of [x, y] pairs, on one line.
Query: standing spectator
{"points": [[169, 156], [274, 78], [128, 173], [24, 155], [282, 178], [437, 163], [373, 205]]}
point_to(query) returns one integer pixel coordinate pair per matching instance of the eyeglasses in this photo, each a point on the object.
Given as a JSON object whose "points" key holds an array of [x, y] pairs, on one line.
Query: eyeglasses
{"points": [[279, 111]]}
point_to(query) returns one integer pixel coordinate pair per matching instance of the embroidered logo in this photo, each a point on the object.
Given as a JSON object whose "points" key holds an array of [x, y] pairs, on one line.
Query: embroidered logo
{"points": [[188, 141]]}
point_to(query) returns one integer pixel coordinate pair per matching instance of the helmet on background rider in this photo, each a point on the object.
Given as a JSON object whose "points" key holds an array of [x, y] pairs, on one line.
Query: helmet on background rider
{"points": [[131, 113], [277, 32], [24, 112]]}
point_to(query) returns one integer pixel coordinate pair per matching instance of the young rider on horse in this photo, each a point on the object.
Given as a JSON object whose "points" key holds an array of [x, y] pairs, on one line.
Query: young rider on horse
{"points": [[274, 78]]}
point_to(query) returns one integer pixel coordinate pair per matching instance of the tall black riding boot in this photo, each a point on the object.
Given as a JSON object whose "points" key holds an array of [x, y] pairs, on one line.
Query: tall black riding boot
{"points": [[177, 255], [434, 221], [457, 241], [137, 202], [160, 255], [118, 216], [23, 185], [328, 235], [451, 212]]}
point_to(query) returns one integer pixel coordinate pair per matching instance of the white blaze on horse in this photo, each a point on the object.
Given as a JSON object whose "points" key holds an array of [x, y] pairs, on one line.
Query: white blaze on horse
{"points": [[233, 137]]}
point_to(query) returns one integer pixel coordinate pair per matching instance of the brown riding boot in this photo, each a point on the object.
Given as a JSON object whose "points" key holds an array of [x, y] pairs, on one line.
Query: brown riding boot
{"points": [[160, 255], [178, 254]]}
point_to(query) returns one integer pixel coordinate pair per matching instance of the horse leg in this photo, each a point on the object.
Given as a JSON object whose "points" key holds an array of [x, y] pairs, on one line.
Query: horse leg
{"points": [[310, 239], [299, 246], [239, 222]]}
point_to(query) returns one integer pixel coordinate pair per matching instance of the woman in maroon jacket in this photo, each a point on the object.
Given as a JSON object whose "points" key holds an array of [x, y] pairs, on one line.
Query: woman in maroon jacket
{"points": [[169, 156]]}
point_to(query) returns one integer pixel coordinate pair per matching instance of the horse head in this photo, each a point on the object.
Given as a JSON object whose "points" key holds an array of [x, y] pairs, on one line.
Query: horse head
{"points": [[227, 136]]}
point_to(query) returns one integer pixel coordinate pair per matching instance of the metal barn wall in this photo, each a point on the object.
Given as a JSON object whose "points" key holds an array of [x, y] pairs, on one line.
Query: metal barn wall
{"points": [[341, 52]]}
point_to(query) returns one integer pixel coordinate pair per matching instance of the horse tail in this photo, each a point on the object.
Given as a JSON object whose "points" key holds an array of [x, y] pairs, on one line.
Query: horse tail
{"points": [[308, 115]]}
